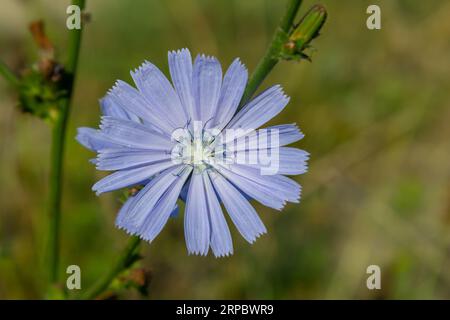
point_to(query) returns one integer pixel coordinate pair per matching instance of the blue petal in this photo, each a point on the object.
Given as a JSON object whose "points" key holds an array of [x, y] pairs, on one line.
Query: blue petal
{"points": [[280, 186], [290, 161], [163, 209], [134, 135], [117, 159], [283, 185], [158, 91], [180, 65], [207, 81], [263, 193], [124, 210], [132, 100], [239, 209], [129, 177], [148, 197], [287, 134], [231, 92], [94, 140], [126, 206], [260, 110], [221, 243], [153, 205], [112, 109], [196, 221]]}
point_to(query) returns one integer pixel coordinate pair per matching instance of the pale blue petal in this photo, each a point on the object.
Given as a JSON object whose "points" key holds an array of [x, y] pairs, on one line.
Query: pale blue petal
{"points": [[113, 159], [221, 243], [261, 109], [110, 108], [207, 81], [180, 65], [196, 220], [130, 177], [239, 209], [290, 161], [158, 91], [153, 205], [131, 100], [287, 134], [281, 187], [157, 219], [124, 210], [231, 92], [263, 193], [147, 198], [94, 140], [134, 135]]}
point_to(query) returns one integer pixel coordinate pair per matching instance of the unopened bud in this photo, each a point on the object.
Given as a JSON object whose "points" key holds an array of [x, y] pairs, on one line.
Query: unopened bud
{"points": [[307, 29]]}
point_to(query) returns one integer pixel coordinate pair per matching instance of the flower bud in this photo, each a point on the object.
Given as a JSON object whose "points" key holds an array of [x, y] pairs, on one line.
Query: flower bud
{"points": [[306, 30]]}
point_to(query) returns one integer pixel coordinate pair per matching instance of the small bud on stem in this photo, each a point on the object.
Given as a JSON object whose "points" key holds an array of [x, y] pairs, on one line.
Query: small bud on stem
{"points": [[306, 30]]}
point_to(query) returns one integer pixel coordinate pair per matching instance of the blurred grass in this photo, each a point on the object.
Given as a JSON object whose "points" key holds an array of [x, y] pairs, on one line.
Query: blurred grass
{"points": [[374, 106]]}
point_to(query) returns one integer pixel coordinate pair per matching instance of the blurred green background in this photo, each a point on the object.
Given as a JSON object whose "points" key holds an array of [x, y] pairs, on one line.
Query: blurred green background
{"points": [[374, 106]]}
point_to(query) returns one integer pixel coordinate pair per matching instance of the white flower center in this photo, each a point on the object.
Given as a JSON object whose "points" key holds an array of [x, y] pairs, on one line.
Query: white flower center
{"points": [[198, 151]]}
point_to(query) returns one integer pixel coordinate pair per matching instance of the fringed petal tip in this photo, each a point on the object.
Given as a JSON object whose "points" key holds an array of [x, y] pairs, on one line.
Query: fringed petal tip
{"points": [[179, 52], [133, 232], [224, 254], [207, 58], [257, 236]]}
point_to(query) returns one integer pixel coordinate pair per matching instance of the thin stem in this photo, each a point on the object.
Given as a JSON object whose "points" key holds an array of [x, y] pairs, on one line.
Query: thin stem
{"points": [[57, 152], [122, 263], [8, 75], [271, 57]]}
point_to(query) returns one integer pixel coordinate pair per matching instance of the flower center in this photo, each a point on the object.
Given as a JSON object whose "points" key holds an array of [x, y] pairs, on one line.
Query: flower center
{"points": [[197, 151]]}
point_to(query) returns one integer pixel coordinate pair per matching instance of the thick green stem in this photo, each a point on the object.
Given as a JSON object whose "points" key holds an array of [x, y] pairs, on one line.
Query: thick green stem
{"points": [[57, 152], [9, 75], [271, 57], [123, 262]]}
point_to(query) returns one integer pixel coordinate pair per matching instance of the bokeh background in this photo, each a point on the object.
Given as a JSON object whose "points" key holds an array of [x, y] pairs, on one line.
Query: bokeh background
{"points": [[374, 106]]}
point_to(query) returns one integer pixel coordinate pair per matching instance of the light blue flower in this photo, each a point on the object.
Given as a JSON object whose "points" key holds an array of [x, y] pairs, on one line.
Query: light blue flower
{"points": [[136, 140]]}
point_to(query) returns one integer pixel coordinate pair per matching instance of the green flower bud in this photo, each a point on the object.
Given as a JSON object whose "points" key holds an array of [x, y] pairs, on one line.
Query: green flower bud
{"points": [[306, 30]]}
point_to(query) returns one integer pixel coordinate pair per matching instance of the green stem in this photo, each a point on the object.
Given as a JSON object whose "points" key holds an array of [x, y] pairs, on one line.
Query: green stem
{"points": [[271, 57], [57, 152], [122, 263], [9, 75]]}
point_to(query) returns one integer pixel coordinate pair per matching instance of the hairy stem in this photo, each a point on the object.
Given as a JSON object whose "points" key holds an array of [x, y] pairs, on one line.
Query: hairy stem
{"points": [[9, 75], [57, 152], [123, 262], [271, 57]]}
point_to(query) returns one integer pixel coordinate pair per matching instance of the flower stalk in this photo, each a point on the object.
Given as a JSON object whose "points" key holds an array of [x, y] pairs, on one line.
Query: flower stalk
{"points": [[57, 152], [288, 43], [124, 261], [272, 55]]}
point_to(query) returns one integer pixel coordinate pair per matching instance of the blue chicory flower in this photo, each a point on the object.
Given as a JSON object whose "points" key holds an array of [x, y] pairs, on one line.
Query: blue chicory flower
{"points": [[136, 140]]}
